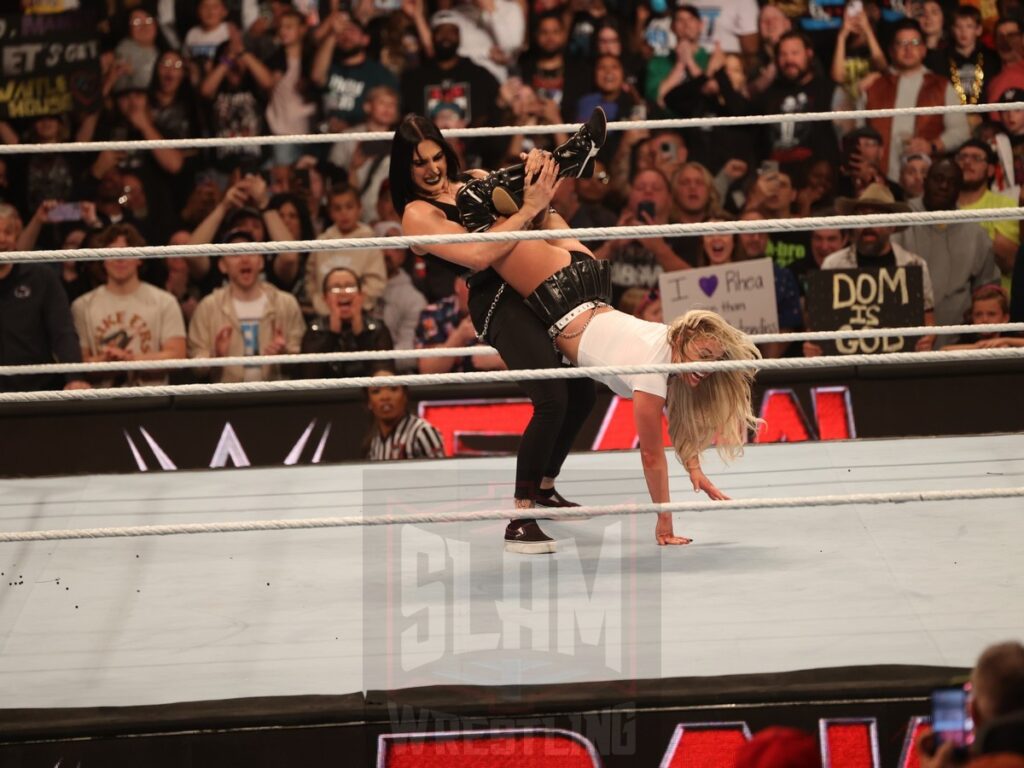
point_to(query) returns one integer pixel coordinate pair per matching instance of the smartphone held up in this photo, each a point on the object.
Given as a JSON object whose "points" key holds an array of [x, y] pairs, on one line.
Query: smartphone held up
{"points": [[950, 719], [65, 212]]}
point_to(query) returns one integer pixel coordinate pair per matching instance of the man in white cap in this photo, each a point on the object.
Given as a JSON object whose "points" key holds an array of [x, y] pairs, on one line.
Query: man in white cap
{"points": [[450, 77], [491, 32]]}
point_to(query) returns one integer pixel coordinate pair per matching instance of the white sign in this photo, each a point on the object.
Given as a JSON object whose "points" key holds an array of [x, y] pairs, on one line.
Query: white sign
{"points": [[742, 292]]}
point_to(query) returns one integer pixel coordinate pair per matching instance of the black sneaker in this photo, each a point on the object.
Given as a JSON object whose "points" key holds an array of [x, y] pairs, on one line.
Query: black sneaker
{"points": [[549, 497], [525, 537], [575, 158], [552, 499]]}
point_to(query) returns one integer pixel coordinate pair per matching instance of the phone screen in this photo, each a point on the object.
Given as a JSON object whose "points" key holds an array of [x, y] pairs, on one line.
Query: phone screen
{"points": [[949, 716], [65, 212], [644, 207]]}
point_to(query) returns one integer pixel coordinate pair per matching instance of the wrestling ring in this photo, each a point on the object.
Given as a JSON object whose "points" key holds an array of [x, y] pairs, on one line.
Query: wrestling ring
{"points": [[212, 608]]}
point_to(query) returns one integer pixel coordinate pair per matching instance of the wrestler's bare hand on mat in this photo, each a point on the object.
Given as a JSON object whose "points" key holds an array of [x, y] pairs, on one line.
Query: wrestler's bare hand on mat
{"points": [[665, 535]]}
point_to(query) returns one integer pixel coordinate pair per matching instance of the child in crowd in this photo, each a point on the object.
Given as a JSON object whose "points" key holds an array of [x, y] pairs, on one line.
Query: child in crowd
{"points": [[138, 49], [989, 305], [291, 106], [345, 210], [202, 41]]}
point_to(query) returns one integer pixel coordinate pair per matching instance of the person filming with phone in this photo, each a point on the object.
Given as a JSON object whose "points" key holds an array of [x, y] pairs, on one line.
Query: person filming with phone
{"points": [[636, 263], [982, 727]]}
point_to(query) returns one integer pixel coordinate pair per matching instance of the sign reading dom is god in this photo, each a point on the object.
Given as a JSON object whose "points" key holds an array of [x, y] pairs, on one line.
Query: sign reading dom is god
{"points": [[858, 299]]}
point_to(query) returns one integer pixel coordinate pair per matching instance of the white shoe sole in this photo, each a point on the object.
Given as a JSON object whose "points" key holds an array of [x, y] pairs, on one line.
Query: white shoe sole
{"points": [[530, 547]]}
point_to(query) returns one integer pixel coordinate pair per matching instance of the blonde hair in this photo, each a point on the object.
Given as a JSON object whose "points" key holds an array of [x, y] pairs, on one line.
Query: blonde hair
{"points": [[714, 203], [718, 409]]}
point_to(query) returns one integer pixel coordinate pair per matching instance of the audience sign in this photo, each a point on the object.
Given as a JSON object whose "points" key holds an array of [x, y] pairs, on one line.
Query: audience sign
{"points": [[742, 292], [49, 64], [857, 299]]}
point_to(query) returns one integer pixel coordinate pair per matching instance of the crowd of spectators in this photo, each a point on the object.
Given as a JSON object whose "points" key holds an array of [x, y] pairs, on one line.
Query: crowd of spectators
{"points": [[236, 68]]}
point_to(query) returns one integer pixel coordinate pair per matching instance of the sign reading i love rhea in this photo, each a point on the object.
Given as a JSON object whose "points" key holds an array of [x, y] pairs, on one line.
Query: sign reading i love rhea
{"points": [[742, 292]]}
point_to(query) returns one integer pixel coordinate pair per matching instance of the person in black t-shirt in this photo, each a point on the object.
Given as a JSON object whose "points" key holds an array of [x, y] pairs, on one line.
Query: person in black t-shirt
{"points": [[965, 60], [450, 78], [546, 66], [347, 328], [798, 88], [35, 318]]}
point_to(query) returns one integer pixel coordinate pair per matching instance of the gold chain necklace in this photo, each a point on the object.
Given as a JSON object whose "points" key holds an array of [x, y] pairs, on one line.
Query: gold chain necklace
{"points": [[979, 79]]}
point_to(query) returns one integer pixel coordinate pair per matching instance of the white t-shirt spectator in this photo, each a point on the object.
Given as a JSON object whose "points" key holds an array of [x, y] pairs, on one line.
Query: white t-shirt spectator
{"points": [[140, 322], [249, 315], [725, 21], [202, 44]]}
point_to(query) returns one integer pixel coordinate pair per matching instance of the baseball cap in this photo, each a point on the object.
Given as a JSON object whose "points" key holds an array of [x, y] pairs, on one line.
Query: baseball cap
{"points": [[237, 236], [1011, 95], [387, 229], [445, 17], [865, 132], [237, 215]]}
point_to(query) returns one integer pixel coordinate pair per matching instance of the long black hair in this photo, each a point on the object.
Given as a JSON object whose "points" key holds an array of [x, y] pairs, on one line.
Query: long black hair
{"points": [[412, 130], [305, 222]]}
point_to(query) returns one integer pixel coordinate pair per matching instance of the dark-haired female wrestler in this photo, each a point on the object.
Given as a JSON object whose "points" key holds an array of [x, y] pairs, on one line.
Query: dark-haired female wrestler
{"points": [[568, 291], [424, 180]]}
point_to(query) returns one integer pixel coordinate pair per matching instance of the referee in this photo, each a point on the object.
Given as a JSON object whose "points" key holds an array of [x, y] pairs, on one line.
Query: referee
{"points": [[397, 434]]}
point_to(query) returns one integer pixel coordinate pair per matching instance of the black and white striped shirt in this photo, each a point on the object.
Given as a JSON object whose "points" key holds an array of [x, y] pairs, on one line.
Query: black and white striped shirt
{"points": [[412, 438]]}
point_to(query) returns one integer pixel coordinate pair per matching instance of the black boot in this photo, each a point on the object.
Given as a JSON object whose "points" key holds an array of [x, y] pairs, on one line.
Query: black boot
{"points": [[575, 158], [481, 201], [474, 203]]}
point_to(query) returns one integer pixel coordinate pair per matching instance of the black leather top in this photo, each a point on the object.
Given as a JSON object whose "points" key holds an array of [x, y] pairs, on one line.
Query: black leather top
{"points": [[450, 211]]}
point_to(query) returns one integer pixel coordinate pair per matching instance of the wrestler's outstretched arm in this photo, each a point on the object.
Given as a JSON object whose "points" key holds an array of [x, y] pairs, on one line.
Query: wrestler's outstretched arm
{"points": [[647, 414], [420, 220]]}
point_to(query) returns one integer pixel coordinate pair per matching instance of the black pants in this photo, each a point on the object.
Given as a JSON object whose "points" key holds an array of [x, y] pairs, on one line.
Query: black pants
{"points": [[560, 406]]}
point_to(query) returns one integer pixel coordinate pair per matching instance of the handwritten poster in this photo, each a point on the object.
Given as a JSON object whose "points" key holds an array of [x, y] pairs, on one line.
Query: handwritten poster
{"points": [[742, 292], [857, 299], [49, 64]]}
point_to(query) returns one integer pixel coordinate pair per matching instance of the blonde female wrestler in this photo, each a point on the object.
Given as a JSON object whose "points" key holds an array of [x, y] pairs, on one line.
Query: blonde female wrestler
{"points": [[569, 290]]}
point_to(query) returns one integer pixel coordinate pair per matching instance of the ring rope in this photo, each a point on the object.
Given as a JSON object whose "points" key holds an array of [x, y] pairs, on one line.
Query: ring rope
{"points": [[899, 497], [532, 374], [511, 130], [856, 221], [479, 350]]}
